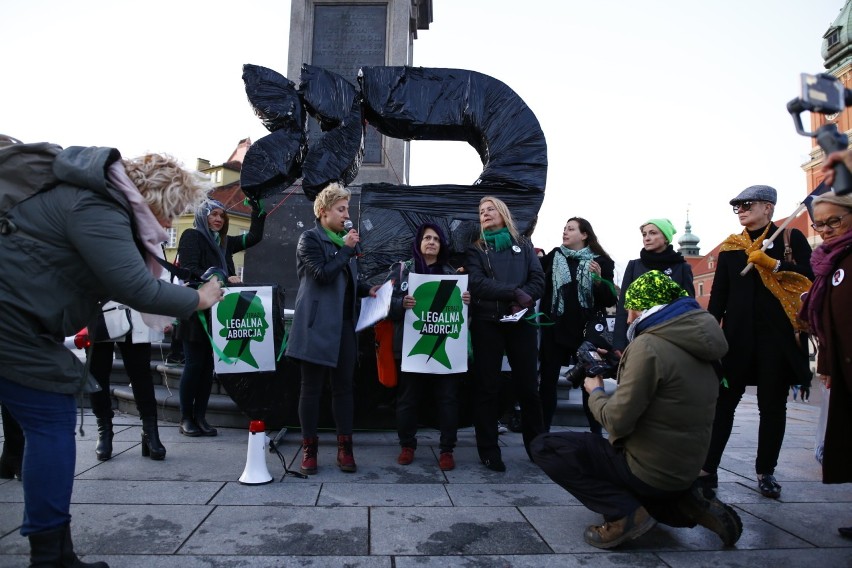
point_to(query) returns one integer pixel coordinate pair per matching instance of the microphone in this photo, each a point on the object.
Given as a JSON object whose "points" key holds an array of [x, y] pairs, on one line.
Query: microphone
{"points": [[347, 225]]}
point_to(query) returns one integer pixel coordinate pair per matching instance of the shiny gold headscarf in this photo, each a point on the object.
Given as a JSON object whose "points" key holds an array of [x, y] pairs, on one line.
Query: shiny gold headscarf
{"points": [[785, 285]]}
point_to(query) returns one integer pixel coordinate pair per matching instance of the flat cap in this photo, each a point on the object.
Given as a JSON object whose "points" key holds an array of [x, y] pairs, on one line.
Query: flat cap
{"points": [[756, 193]]}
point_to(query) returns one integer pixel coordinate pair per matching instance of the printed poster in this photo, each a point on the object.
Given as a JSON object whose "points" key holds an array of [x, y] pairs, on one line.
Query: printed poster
{"points": [[434, 338], [243, 341]]}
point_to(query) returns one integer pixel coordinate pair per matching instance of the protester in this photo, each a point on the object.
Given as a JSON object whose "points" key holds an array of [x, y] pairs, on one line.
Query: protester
{"points": [[578, 288], [430, 251], [64, 250], [657, 254], [505, 277], [827, 308], [322, 338], [659, 422], [135, 350], [207, 245], [758, 314]]}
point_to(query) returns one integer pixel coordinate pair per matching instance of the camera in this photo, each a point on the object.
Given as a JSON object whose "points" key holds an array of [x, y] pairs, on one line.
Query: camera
{"points": [[825, 94], [590, 363]]}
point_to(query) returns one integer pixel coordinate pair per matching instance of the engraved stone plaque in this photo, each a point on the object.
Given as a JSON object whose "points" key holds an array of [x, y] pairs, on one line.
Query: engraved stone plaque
{"points": [[345, 38]]}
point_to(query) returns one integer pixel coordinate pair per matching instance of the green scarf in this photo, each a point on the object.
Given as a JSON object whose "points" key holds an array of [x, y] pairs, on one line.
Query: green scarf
{"points": [[336, 238], [500, 239]]}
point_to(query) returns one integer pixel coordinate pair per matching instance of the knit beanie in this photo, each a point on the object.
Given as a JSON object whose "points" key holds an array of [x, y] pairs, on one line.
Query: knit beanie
{"points": [[652, 289], [664, 225]]}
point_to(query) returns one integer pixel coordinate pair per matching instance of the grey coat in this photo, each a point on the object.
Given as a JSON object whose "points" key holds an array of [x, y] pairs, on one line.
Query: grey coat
{"points": [[73, 249], [323, 278]]}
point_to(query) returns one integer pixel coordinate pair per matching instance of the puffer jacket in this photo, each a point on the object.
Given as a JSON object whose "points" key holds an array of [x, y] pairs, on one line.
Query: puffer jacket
{"points": [[73, 249], [494, 276], [662, 413]]}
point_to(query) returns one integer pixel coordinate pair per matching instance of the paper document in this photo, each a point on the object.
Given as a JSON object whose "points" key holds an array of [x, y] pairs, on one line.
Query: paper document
{"points": [[375, 309], [514, 317]]}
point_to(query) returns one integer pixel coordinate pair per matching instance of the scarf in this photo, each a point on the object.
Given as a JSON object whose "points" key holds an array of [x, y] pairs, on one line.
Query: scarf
{"points": [[500, 239], [336, 238], [823, 261], [786, 286], [149, 232], [420, 266], [561, 275], [663, 261]]}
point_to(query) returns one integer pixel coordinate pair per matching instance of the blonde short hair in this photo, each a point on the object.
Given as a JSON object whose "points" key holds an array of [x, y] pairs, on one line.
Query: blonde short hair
{"points": [[332, 193], [168, 188], [504, 212]]}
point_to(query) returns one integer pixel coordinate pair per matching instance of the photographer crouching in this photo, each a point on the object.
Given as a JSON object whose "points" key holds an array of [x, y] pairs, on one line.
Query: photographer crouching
{"points": [[659, 423]]}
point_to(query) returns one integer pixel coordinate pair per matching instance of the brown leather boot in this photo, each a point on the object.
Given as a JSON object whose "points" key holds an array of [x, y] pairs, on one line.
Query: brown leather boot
{"points": [[309, 456], [345, 459]]}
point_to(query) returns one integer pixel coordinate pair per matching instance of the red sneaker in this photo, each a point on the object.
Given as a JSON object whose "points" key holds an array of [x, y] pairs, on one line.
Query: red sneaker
{"points": [[446, 461], [406, 456]]}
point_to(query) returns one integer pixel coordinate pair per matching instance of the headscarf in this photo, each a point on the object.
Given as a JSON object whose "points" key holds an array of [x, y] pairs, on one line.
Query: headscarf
{"points": [[652, 289], [420, 266], [785, 285], [561, 275], [216, 241], [823, 262]]}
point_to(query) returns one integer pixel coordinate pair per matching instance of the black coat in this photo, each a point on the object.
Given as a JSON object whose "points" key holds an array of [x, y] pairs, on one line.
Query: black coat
{"points": [[743, 303], [196, 254]]}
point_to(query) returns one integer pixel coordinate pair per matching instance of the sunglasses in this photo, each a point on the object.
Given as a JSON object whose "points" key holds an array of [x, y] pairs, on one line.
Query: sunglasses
{"points": [[831, 223], [744, 206]]}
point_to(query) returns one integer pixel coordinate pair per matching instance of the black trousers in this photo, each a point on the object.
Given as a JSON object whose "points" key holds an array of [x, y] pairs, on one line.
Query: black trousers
{"points": [[137, 363], [773, 382], [519, 342], [597, 474], [409, 393], [553, 355]]}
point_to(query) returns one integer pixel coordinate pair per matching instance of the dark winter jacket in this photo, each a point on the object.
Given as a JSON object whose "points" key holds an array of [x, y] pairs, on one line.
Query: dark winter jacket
{"points": [[494, 276], [74, 248]]}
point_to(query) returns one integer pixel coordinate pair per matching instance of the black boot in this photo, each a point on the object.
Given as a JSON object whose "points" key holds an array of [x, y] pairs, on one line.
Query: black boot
{"points": [[151, 445], [103, 451], [54, 548], [188, 427], [13, 447], [205, 428]]}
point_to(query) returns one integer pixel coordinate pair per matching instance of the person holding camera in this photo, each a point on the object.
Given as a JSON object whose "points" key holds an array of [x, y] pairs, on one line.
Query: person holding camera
{"points": [[659, 422], [207, 245], [757, 312], [90, 230], [657, 254], [505, 278], [578, 287]]}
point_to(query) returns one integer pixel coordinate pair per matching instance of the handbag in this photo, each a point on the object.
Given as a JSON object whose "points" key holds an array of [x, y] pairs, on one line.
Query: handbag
{"points": [[112, 323], [599, 329], [385, 362]]}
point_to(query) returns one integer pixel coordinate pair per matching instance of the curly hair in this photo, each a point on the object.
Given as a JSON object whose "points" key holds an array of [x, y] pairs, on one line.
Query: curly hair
{"points": [[332, 193], [168, 188]]}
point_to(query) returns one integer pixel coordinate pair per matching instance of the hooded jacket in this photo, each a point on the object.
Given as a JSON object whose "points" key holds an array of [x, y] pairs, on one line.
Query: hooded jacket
{"points": [[73, 249], [662, 413]]}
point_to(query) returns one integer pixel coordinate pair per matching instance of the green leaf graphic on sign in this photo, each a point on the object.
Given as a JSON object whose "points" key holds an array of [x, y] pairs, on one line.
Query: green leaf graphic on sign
{"points": [[439, 316], [243, 320]]}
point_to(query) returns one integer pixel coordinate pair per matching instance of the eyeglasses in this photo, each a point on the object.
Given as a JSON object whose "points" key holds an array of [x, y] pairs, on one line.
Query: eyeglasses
{"points": [[831, 223], [744, 206]]}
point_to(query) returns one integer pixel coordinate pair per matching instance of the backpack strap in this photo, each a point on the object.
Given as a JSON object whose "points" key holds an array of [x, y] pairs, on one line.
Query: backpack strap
{"points": [[788, 250]]}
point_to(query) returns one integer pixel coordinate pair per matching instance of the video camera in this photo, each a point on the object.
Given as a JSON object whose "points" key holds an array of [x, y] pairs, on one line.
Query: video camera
{"points": [[825, 94], [590, 363]]}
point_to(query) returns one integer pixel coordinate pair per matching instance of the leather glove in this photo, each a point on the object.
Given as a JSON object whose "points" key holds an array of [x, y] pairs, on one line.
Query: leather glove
{"points": [[523, 299], [762, 259]]}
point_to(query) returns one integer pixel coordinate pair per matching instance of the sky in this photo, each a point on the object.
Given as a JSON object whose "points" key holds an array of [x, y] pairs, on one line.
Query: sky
{"points": [[650, 109]]}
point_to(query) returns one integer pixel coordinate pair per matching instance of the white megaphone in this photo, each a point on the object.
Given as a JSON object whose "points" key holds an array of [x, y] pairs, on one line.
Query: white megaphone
{"points": [[256, 472]]}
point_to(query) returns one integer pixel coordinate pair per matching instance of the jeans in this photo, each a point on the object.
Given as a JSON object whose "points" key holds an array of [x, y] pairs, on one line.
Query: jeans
{"points": [[137, 363], [409, 394], [196, 382], [50, 453]]}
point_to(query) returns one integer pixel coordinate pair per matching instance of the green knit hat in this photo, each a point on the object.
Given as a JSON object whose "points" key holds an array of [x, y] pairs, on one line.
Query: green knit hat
{"points": [[652, 289], [664, 225]]}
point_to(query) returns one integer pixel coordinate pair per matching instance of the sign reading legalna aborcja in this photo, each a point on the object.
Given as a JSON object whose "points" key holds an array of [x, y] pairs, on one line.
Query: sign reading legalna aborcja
{"points": [[242, 331], [435, 333]]}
